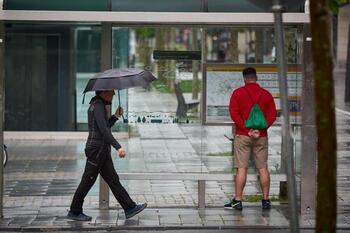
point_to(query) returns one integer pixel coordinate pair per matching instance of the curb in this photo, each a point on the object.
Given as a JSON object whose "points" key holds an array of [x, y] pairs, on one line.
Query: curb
{"points": [[150, 228], [147, 228]]}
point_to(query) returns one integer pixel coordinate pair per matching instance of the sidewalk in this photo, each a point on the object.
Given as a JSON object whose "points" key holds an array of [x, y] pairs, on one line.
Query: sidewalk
{"points": [[42, 175], [52, 218]]}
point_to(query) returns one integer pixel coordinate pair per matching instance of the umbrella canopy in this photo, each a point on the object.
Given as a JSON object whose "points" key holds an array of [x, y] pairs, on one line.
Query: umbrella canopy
{"points": [[118, 79]]}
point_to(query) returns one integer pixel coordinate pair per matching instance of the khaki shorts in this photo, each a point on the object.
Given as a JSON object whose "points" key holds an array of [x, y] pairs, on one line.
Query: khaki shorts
{"points": [[244, 146]]}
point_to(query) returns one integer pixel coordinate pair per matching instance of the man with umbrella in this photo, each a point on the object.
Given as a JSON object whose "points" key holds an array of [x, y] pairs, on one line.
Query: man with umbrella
{"points": [[98, 148]]}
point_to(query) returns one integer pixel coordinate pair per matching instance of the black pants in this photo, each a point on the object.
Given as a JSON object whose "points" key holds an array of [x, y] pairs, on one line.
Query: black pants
{"points": [[99, 161]]}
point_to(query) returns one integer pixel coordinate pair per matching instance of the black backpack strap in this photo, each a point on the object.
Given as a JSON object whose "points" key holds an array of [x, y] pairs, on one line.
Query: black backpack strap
{"points": [[251, 98], [260, 96]]}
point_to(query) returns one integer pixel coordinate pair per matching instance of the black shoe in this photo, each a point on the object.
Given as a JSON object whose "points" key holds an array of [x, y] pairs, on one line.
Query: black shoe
{"points": [[266, 204], [234, 204], [133, 211], [78, 217]]}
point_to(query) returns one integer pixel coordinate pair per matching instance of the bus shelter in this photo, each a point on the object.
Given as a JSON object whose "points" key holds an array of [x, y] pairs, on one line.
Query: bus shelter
{"points": [[196, 48]]}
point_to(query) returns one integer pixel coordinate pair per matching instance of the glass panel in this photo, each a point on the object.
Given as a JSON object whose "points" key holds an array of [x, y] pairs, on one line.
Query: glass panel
{"points": [[57, 60], [57, 5], [170, 73], [228, 51], [88, 63], [162, 137], [252, 5], [236, 6], [153, 5], [157, 5], [38, 78], [120, 59], [88, 59], [250, 45]]}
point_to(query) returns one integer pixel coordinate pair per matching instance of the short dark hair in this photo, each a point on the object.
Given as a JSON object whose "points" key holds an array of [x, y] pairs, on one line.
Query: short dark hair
{"points": [[98, 92], [249, 71]]}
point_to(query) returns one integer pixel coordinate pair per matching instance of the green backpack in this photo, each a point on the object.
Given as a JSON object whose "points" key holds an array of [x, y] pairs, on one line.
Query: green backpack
{"points": [[256, 119]]}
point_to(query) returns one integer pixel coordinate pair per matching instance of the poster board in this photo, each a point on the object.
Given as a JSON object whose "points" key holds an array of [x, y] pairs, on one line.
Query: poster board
{"points": [[220, 80]]}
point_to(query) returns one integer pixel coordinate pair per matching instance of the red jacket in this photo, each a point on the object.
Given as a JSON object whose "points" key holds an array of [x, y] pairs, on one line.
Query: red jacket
{"points": [[241, 103]]}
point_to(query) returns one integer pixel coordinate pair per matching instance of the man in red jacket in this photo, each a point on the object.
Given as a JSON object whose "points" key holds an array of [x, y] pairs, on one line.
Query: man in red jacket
{"points": [[249, 141]]}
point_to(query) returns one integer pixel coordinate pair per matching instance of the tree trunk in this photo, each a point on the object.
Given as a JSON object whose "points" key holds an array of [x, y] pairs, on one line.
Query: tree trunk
{"points": [[233, 46], [144, 50], [171, 64], [326, 210], [259, 45], [160, 45]]}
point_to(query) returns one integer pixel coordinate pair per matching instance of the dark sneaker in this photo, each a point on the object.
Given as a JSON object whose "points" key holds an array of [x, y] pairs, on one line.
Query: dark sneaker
{"points": [[133, 211], [78, 217], [266, 204], [234, 204]]}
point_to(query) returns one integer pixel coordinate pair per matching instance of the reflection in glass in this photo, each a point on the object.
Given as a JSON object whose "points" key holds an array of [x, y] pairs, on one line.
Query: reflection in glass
{"points": [[88, 63], [38, 78], [143, 41], [250, 45]]}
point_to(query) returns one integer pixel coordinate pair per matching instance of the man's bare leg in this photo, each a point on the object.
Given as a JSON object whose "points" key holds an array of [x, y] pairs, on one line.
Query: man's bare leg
{"points": [[265, 182], [241, 177]]}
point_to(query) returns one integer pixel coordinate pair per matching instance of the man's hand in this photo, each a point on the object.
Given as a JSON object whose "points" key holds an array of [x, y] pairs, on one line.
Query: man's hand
{"points": [[121, 153], [119, 112], [254, 133]]}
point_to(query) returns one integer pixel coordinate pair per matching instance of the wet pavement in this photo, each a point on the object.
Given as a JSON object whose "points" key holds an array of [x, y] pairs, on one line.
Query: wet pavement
{"points": [[54, 167], [41, 177], [252, 217]]}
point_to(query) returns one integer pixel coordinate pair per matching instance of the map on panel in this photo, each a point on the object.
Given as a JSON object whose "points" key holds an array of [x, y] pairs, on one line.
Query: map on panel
{"points": [[221, 81]]}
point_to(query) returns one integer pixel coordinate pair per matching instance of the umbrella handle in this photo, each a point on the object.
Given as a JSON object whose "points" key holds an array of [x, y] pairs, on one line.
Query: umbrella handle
{"points": [[119, 105], [83, 98]]}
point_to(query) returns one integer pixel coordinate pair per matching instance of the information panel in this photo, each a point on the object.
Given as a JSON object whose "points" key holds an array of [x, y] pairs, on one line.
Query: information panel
{"points": [[221, 80]]}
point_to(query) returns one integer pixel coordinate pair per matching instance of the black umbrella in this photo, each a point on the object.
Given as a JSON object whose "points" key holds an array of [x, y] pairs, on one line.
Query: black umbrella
{"points": [[118, 79]]}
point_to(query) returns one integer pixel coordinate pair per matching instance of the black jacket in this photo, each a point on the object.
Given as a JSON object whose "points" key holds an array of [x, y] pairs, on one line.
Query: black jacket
{"points": [[99, 125]]}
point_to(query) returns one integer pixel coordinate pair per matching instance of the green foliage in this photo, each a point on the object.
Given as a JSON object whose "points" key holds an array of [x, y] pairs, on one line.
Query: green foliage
{"points": [[257, 198], [335, 4], [160, 86], [231, 170], [186, 86], [144, 33], [226, 153], [343, 2]]}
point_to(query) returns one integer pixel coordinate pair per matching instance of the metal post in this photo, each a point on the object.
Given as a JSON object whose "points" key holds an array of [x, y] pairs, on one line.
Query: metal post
{"points": [[195, 65], [201, 194], [203, 103], [287, 143], [2, 97], [106, 63], [72, 73], [309, 135], [347, 75]]}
